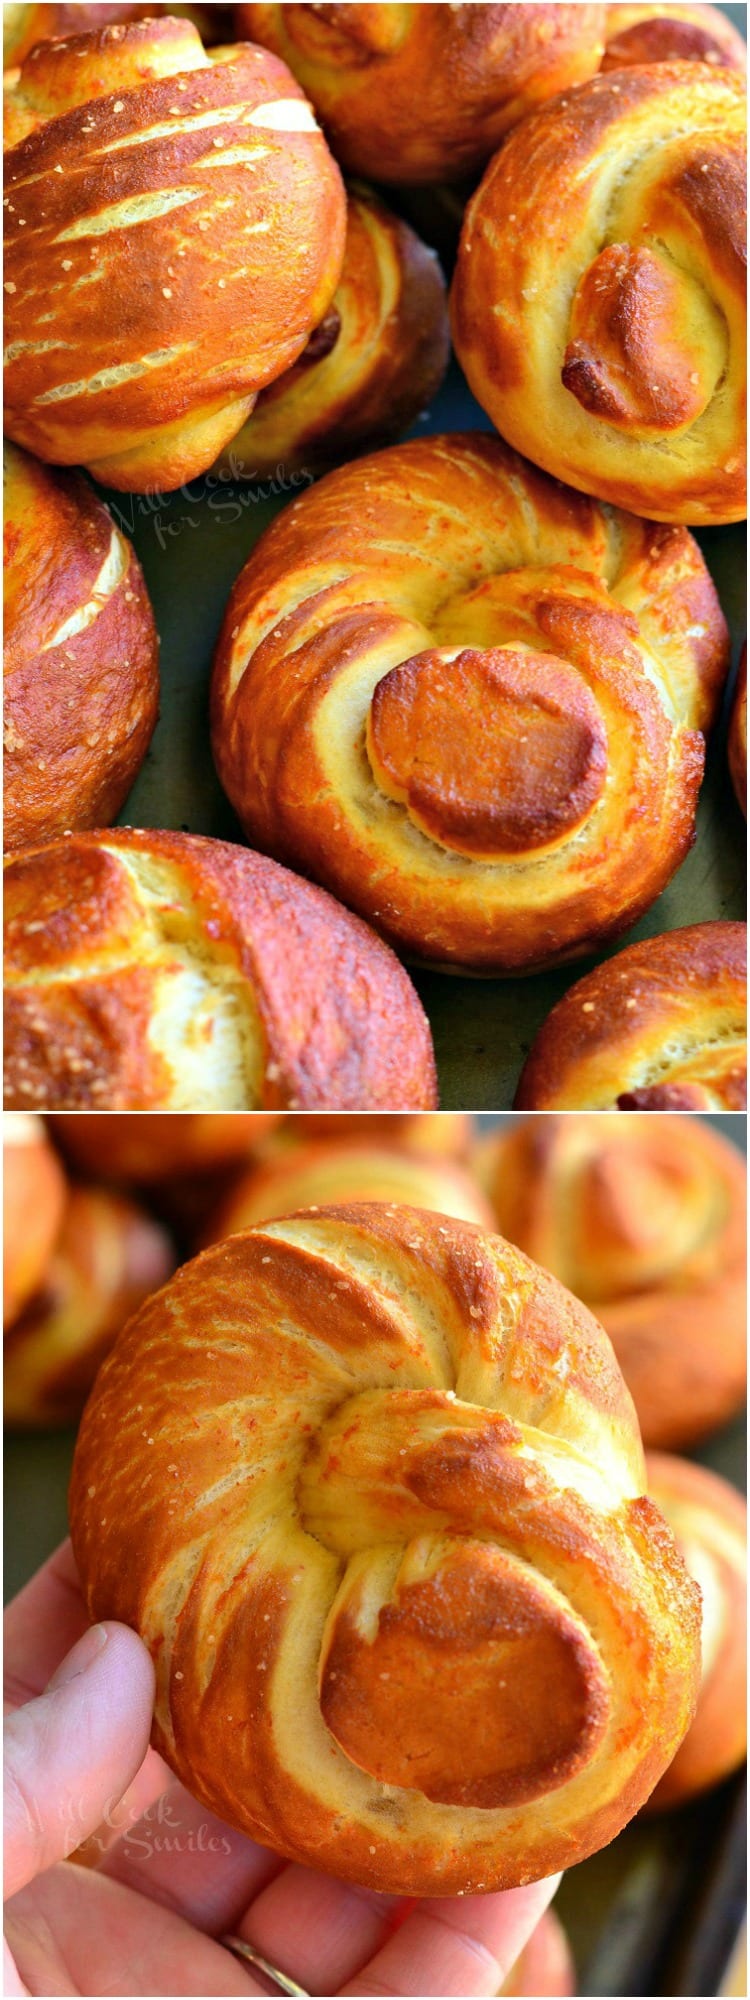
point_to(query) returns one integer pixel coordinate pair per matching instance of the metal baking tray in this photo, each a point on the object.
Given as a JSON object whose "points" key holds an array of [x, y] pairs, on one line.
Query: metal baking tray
{"points": [[659, 1910]]}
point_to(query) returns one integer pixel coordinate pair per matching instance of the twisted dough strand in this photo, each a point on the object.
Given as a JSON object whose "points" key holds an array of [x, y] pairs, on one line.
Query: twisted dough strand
{"points": [[468, 701], [599, 299], [402, 1483], [144, 184]]}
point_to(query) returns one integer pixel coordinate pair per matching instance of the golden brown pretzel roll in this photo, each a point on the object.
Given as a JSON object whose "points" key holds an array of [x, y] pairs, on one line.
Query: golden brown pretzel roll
{"points": [[738, 735], [599, 298], [670, 33], [307, 1176], [426, 93], [545, 1965], [644, 1219], [81, 676], [377, 359], [122, 1148], [159, 971], [399, 1483], [662, 1026], [440, 1133], [108, 1257], [34, 1195], [133, 152], [467, 701], [24, 26], [708, 1518]]}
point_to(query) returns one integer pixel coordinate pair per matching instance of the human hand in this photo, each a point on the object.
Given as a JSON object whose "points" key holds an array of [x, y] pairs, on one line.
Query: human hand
{"points": [[168, 1880]]}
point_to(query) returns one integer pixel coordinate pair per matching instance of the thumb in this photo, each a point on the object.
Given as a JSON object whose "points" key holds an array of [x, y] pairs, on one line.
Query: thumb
{"points": [[73, 1750]]}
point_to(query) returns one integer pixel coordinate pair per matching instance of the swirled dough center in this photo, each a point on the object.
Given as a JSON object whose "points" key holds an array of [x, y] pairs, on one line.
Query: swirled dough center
{"points": [[492, 752]]}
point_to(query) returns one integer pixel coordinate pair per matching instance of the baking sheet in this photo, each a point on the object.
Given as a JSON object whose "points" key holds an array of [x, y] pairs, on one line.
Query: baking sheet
{"points": [[192, 545], [659, 1910]]}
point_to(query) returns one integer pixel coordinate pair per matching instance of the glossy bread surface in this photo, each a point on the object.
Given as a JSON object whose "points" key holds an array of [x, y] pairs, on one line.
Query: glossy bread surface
{"points": [[469, 701], [175, 230], [160, 971], [402, 1482], [599, 301]]}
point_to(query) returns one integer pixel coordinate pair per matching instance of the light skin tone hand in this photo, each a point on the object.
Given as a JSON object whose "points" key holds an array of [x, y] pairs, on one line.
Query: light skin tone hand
{"points": [[163, 1878]]}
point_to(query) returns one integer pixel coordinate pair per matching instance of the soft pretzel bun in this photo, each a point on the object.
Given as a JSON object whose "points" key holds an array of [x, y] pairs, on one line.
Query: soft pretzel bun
{"points": [[319, 1176], [545, 1966], [23, 26], [442, 1133], [708, 1518], [122, 1148], [134, 154], [108, 1257], [468, 701], [156, 971], [644, 1219], [426, 93], [672, 34], [355, 1475], [599, 296], [34, 1195], [378, 358], [738, 735], [81, 676], [662, 1026]]}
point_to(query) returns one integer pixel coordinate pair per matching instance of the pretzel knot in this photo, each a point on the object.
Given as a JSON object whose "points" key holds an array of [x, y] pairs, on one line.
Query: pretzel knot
{"points": [[410, 1612], [468, 701], [599, 302], [145, 181]]}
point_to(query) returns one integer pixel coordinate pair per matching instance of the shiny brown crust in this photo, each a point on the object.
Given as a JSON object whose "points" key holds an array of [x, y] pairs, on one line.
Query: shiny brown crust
{"points": [[426, 93], [672, 34], [737, 745], [24, 26], [599, 299], [34, 1196], [545, 1966], [389, 353], [644, 1219], [81, 675], [401, 1480], [132, 149], [319, 1176], [119, 1148], [662, 1026], [468, 700], [708, 1518], [109, 1256], [152, 971]]}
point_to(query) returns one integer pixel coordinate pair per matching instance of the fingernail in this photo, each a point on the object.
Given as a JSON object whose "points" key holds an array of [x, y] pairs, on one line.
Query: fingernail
{"points": [[80, 1657]]}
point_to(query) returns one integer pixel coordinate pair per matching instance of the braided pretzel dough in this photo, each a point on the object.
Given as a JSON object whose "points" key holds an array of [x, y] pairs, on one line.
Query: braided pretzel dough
{"points": [[599, 298], [467, 701], [377, 360], [662, 1026], [412, 1618], [144, 306], [426, 93], [159, 971], [644, 1219]]}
